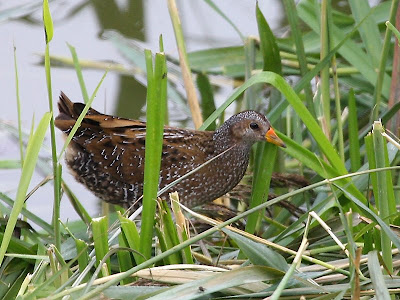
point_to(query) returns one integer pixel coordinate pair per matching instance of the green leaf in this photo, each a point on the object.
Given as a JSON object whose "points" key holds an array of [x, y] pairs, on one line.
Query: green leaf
{"points": [[169, 233], [383, 190], [269, 47], [10, 164], [100, 239], [132, 237], [354, 147], [207, 97], [124, 259], [156, 105], [47, 21], [257, 253], [83, 259], [381, 291], [79, 73], [262, 179]]}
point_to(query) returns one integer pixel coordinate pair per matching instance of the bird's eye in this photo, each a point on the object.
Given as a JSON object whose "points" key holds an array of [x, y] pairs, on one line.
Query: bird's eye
{"points": [[254, 126]]}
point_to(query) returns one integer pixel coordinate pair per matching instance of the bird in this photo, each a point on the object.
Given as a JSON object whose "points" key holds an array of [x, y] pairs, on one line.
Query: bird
{"points": [[107, 154]]}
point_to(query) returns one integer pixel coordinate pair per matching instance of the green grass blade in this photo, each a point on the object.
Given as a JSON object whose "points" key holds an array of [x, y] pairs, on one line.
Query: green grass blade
{"points": [[21, 145], [207, 98], [48, 28], [293, 19], [382, 191], [339, 129], [32, 152], [265, 154], [156, 99], [132, 237], [250, 96], [306, 79], [33, 294], [79, 73], [10, 164], [394, 30], [184, 63], [377, 277], [169, 233], [325, 80], [259, 254], [47, 21], [16, 246], [181, 227], [100, 239], [312, 161], [268, 45], [369, 147], [124, 259], [83, 259], [354, 144]]}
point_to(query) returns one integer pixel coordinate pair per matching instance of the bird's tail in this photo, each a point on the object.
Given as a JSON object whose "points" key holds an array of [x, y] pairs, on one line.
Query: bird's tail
{"points": [[66, 108]]}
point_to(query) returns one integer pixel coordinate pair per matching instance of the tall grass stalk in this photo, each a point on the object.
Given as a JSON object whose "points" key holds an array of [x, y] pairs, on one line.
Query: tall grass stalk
{"points": [[77, 66], [156, 99], [48, 28], [21, 145], [382, 192], [185, 67], [100, 239], [354, 144], [338, 108], [293, 19], [325, 84]]}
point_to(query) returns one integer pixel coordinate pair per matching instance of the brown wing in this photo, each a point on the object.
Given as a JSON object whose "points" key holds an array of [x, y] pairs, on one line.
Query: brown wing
{"points": [[70, 111]]}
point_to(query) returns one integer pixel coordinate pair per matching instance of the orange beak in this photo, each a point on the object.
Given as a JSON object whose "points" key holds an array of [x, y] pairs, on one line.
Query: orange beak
{"points": [[271, 137]]}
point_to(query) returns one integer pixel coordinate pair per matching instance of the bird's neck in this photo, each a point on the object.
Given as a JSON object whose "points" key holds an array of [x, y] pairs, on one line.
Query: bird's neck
{"points": [[224, 140]]}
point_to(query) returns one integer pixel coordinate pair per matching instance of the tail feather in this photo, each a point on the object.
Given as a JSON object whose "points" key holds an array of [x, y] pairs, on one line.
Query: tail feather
{"points": [[69, 113], [66, 108]]}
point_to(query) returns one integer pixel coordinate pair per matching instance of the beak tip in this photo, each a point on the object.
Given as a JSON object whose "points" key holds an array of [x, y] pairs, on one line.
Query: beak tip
{"points": [[272, 138]]}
